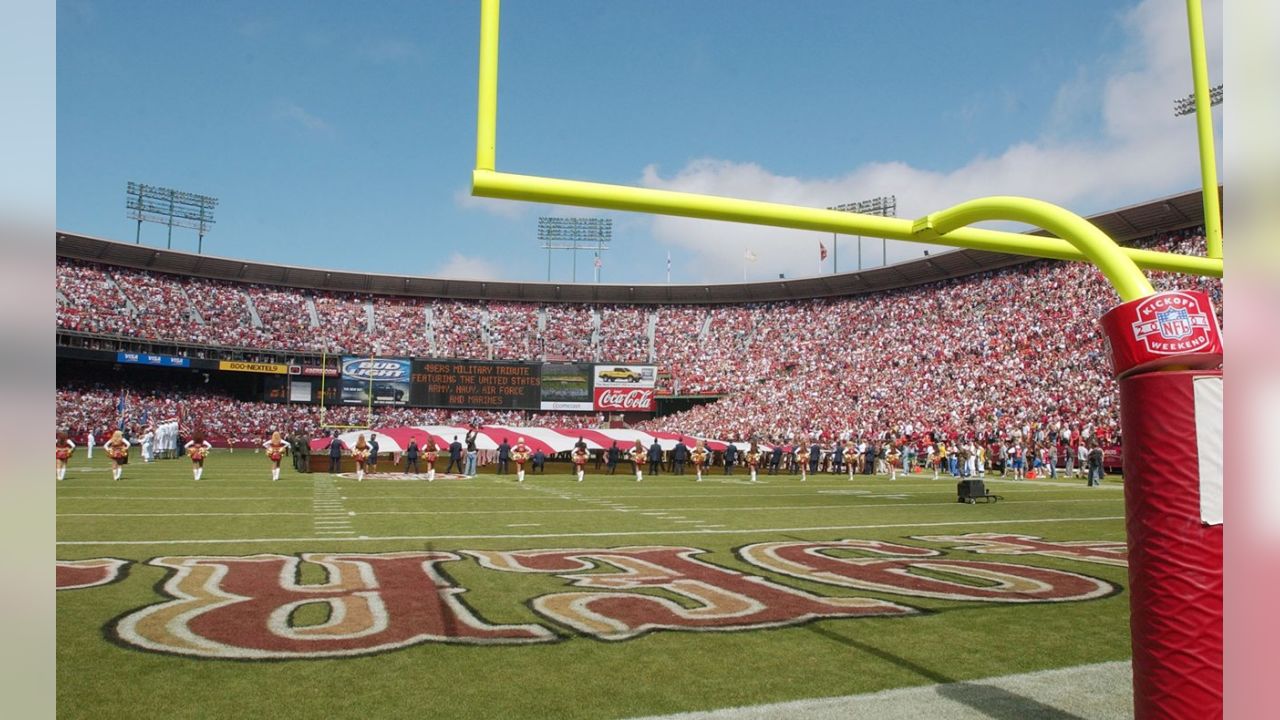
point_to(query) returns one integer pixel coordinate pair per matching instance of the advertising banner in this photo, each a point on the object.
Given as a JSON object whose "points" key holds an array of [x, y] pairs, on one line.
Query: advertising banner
{"points": [[567, 386], [313, 371], [625, 388], [300, 391], [636, 399], [480, 385], [387, 379], [253, 367], [134, 358]]}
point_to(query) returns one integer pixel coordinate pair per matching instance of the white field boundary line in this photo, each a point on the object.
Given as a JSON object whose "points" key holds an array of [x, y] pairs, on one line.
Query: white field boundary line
{"points": [[656, 511], [1085, 692], [627, 533]]}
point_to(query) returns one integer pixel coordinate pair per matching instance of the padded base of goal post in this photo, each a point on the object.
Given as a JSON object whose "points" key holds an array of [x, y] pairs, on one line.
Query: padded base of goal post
{"points": [[1175, 561]]}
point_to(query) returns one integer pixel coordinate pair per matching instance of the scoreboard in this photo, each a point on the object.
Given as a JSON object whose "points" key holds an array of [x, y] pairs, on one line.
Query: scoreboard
{"points": [[480, 385]]}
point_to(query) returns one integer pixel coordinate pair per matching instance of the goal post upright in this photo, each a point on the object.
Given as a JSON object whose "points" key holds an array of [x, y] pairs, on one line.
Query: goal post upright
{"points": [[324, 372], [1172, 516]]}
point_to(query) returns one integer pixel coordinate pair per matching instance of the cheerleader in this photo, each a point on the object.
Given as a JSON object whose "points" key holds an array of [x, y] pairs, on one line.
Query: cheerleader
{"points": [[638, 455], [275, 450], [893, 458], [361, 454], [802, 459], [851, 456], [429, 453], [753, 460], [580, 457], [197, 448], [118, 450], [62, 448], [699, 458], [520, 454]]}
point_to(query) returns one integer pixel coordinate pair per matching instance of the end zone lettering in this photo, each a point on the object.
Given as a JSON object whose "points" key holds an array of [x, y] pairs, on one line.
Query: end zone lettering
{"points": [[239, 366], [243, 607]]}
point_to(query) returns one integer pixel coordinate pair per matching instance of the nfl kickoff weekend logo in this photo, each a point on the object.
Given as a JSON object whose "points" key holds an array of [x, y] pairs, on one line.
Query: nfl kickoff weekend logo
{"points": [[1172, 324]]}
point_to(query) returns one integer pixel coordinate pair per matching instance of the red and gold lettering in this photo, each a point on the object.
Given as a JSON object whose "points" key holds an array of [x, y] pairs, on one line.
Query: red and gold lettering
{"points": [[889, 569], [723, 599], [76, 574], [241, 607]]}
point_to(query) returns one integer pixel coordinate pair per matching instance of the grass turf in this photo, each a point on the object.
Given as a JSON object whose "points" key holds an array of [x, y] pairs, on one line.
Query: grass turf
{"points": [[158, 510]]}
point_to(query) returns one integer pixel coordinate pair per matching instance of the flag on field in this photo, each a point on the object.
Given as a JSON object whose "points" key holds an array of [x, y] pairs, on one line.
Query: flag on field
{"points": [[749, 256], [822, 251]]}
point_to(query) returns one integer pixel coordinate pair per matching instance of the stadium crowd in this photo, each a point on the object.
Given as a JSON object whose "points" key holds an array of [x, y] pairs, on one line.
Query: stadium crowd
{"points": [[987, 354]]}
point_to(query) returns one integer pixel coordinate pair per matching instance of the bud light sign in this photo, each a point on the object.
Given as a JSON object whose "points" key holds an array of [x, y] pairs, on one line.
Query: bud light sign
{"points": [[385, 381]]}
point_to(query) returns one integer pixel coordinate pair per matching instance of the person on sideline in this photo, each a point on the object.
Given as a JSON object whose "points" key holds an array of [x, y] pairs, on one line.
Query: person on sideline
{"points": [[277, 446], [117, 448], [197, 448], [62, 448]]}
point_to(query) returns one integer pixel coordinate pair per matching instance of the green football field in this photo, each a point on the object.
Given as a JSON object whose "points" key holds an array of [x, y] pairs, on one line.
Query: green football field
{"points": [[317, 596]]}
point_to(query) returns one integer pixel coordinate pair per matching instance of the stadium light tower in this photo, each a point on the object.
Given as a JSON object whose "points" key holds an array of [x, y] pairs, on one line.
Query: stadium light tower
{"points": [[1187, 105], [884, 206], [574, 234], [167, 206]]}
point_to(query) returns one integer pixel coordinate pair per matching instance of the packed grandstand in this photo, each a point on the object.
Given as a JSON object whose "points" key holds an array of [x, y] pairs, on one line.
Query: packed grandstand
{"points": [[995, 353]]}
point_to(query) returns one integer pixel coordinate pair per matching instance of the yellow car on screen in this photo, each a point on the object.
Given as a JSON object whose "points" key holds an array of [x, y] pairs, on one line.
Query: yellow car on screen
{"points": [[620, 375]]}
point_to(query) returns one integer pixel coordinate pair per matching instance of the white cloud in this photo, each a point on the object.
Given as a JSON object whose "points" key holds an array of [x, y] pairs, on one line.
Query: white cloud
{"points": [[1143, 152], [463, 267], [300, 116]]}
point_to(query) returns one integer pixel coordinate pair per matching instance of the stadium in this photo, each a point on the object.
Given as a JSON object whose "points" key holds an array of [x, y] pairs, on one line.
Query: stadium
{"points": [[292, 490]]}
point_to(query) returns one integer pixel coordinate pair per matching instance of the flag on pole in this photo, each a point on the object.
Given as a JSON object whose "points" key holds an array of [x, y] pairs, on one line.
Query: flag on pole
{"points": [[822, 251], [598, 263], [121, 407], [668, 267], [749, 256]]}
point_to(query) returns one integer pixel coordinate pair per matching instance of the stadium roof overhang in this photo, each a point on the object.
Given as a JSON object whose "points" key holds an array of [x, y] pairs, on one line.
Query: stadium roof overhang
{"points": [[1123, 225]]}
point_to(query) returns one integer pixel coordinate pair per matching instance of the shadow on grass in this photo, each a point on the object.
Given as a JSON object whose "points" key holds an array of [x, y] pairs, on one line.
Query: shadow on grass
{"points": [[992, 702], [1002, 704]]}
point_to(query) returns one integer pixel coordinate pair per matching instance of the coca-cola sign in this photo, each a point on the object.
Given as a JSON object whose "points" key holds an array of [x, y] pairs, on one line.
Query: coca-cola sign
{"points": [[625, 399]]}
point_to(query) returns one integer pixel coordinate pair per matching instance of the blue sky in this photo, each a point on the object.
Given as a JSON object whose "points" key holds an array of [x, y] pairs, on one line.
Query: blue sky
{"points": [[341, 135]]}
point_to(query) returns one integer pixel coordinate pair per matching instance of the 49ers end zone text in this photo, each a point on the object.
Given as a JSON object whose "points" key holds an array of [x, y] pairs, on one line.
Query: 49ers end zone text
{"points": [[243, 607]]}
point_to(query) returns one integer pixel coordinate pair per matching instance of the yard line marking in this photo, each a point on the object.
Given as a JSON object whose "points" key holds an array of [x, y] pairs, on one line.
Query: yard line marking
{"points": [[842, 508], [525, 525], [183, 499], [628, 533]]}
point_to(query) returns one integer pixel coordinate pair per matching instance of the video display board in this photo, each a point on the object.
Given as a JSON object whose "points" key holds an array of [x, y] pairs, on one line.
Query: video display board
{"points": [[480, 385], [567, 386]]}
